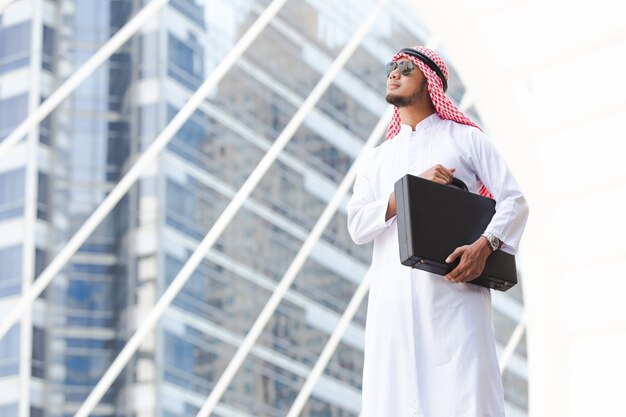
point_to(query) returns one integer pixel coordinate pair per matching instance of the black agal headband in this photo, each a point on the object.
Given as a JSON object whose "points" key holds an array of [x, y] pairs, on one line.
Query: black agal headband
{"points": [[426, 60]]}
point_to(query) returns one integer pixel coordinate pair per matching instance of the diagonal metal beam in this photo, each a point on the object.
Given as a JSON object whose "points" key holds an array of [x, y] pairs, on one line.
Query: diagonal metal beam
{"points": [[357, 299], [329, 349], [269, 309], [81, 74], [511, 345], [138, 168]]}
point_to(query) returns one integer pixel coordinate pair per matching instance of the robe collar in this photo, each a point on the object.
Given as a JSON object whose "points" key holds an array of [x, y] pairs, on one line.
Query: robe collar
{"points": [[421, 126]]}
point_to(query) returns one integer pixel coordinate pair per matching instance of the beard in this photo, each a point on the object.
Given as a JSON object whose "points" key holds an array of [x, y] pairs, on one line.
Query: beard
{"points": [[402, 101]]}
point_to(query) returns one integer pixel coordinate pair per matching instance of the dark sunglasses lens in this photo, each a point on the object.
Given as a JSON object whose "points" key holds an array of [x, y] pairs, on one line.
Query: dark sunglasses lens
{"points": [[405, 67], [389, 68]]}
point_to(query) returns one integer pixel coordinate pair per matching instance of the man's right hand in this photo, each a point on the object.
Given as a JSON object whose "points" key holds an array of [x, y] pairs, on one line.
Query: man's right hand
{"points": [[439, 174]]}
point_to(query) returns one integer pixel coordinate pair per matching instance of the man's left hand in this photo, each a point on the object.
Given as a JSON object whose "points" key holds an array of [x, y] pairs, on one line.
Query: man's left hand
{"points": [[472, 263]]}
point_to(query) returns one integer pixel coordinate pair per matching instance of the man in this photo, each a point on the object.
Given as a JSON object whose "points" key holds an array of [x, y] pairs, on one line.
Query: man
{"points": [[429, 344]]}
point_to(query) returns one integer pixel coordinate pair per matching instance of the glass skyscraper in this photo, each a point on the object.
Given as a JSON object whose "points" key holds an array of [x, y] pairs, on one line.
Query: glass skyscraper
{"points": [[57, 175]]}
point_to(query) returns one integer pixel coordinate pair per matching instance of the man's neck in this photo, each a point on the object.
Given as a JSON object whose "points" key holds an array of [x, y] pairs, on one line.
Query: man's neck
{"points": [[412, 115]]}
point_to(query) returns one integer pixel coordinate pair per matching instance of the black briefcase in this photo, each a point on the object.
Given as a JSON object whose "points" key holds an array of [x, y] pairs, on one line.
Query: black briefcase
{"points": [[434, 219]]}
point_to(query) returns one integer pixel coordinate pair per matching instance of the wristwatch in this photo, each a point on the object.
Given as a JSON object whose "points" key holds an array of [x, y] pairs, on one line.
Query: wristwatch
{"points": [[492, 241]]}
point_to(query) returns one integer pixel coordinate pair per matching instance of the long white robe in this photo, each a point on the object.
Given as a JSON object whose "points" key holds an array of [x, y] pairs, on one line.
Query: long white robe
{"points": [[429, 344]]}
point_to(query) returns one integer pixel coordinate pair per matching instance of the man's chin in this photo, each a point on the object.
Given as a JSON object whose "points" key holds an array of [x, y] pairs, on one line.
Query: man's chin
{"points": [[395, 100]]}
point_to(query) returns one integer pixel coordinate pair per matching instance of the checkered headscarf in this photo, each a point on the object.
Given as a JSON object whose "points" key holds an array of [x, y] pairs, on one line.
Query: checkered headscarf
{"points": [[443, 106]]}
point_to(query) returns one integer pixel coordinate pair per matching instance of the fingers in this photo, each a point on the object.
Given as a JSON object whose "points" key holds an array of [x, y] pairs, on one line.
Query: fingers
{"points": [[448, 173], [456, 275], [461, 273], [466, 270], [444, 173], [439, 174], [440, 178], [457, 272], [450, 276], [457, 252]]}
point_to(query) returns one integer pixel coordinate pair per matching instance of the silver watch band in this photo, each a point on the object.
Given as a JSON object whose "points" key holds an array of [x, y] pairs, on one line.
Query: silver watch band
{"points": [[492, 241]]}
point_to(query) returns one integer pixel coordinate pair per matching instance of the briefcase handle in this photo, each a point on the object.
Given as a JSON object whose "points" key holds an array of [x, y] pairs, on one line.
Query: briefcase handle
{"points": [[458, 184]]}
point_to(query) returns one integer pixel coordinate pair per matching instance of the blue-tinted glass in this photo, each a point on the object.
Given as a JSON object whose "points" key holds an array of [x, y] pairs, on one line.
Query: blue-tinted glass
{"points": [[121, 10], [44, 130], [85, 370], [39, 352], [191, 297], [91, 94], [179, 353], [148, 55], [93, 269], [98, 247], [118, 149], [41, 261], [88, 321], [81, 398], [13, 111], [192, 135], [88, 162], [88, 343], [182, 209], [47, 61], [191, 10], [43, 196], [119, 79], [90, 295], [189, 361], [191, 410], [14, 47], [10, 270], [185, 63], [147, 128], [181, 54], [8, 410], [9, 352], [11, 194], [91, 20]]}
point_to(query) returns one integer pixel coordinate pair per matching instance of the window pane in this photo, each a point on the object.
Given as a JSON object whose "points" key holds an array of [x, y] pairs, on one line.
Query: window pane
{"points": [[90, 295], [12, 111], [8, 410], [47, 53], [185, 63], [39, 353], [9, 353], [14, 47], [11, 194], [10, 270]]}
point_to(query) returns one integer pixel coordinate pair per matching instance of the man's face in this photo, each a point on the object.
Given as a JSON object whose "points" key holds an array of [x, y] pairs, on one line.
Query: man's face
{"points": [[406, 90]]}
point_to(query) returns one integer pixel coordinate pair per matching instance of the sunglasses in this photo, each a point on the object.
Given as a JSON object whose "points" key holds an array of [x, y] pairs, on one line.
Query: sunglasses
{"points": [[404, 67]]}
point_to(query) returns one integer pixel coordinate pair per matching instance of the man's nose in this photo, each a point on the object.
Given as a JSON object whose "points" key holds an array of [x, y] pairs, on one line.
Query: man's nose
{"points": [[395, 74]]}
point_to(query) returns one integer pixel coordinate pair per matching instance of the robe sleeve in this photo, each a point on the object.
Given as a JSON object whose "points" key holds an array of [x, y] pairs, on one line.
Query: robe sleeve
{"points": [[511, 208], [366, 213]]}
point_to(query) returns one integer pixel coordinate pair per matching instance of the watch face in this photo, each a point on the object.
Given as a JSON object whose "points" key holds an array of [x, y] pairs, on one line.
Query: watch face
{"points": [[494, 242]]}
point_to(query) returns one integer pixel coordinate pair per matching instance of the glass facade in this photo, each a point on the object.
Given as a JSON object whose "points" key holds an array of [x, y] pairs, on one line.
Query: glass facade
{"points": [[87, 144]]}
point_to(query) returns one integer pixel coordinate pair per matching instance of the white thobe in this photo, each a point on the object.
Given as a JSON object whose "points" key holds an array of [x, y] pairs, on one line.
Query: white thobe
{"points": [[429, 344]]}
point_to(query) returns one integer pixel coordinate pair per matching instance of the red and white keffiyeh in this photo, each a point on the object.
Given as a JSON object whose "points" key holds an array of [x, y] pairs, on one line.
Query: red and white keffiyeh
{"points": [[443, 106]]}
